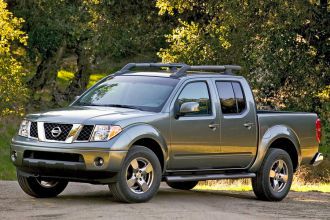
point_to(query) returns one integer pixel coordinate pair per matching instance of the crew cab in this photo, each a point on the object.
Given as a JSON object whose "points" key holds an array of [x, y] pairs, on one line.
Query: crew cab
{"points": [[153, 122]]}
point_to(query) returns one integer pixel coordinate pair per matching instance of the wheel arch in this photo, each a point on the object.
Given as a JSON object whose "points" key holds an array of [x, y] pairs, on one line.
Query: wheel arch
{"points": [[281, 137], [144, 135], [288, 146]]}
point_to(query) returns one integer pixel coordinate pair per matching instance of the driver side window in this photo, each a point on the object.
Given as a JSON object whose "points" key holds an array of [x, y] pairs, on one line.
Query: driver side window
{"points": [[196, 92]]}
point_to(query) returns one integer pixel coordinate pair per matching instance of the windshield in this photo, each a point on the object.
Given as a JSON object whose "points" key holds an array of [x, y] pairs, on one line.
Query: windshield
{"points": [[137, 92]]}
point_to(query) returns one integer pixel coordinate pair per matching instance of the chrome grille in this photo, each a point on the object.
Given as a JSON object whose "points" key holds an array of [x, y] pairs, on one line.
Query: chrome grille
{"points": [[34, 130], [64, 128], [85, 133]]}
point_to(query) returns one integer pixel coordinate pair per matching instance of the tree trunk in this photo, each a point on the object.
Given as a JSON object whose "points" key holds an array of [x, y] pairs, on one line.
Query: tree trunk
{"points": [[81, 78], [47, 70]]}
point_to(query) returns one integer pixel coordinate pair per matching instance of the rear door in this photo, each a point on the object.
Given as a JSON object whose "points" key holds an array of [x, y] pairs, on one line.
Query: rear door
{"points": [[238, 123]]}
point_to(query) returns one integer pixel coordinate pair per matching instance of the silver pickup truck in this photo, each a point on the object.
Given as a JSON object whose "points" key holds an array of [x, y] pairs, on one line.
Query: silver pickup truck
{"points": [[152, 122]]}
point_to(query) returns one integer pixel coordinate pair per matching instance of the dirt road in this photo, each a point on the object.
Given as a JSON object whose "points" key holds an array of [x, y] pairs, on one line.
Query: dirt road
{"points": [[84, 201]]}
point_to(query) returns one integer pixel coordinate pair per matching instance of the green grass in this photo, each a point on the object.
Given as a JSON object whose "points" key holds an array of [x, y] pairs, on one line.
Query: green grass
{"points": [[241, 185], [64, 78], [94, 78], [8, 128]]}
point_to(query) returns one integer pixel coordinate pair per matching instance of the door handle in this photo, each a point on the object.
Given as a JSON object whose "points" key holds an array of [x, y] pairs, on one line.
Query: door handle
{"points": [[214, 126], [248, 124]]}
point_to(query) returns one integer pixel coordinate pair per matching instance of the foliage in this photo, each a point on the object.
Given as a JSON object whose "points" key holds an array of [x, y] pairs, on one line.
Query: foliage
{"points": [[92, 34], [12, 90], [283, 46], [273, 40]]}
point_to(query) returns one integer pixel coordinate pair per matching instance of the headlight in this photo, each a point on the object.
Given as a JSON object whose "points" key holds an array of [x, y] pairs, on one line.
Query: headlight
{"points": [[105, 132], [24, 128]]}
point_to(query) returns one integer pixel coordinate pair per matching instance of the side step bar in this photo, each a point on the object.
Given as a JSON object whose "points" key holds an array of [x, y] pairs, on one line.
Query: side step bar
{"points": [[209, 177]]}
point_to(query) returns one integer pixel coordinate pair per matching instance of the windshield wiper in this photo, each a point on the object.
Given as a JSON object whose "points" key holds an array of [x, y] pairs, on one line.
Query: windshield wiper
{"points": [[86, 104], [110, 105], [123, 106]]}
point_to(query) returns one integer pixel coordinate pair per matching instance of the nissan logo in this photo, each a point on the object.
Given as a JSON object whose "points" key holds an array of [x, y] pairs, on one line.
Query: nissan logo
{"points": [[56, 132]]}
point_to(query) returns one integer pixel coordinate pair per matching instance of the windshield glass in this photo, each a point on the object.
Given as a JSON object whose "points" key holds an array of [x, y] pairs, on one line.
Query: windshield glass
{"points": [[137, 92]]}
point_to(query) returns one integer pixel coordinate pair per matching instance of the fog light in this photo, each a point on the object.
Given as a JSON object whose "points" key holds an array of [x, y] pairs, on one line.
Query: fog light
{"points": [[98, 161], [13, 156]]}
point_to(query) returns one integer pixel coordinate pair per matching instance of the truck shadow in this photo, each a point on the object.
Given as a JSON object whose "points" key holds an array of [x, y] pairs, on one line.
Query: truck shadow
{"points": [[163, 194]]}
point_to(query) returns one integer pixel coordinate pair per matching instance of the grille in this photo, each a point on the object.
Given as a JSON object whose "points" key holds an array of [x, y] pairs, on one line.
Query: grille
{"points": [[85, 133], [53, 156], [34, 130], [65, 129]]}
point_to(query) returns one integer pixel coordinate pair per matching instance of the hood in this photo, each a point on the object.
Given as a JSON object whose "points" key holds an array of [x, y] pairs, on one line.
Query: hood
{"points": [[87, 115]]}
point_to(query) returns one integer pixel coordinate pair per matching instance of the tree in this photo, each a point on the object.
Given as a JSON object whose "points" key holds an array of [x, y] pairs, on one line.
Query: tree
{"points": [[283, 46], [12, 89], [54, 29], [123, 30], [94, 32]]}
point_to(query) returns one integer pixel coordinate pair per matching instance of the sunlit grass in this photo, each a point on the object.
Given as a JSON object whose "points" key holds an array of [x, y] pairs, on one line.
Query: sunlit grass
{"points": [[64, 78], [94, 78], [224, 187], [245, 185], [65, 75]]}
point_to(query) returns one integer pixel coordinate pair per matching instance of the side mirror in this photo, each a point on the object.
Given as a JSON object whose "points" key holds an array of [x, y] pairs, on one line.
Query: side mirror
{"points": [[77, 97], [188, 107]]}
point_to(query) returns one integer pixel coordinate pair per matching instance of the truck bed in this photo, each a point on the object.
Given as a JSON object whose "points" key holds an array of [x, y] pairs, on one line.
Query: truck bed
{"points": [[300, 125]]}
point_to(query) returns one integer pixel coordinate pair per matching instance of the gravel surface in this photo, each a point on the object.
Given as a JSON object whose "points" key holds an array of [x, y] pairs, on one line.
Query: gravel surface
{"points": [[85, 201]]}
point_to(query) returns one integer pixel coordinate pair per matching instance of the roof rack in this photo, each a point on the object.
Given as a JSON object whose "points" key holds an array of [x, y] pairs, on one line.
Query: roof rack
{"points": [[179, 69]]}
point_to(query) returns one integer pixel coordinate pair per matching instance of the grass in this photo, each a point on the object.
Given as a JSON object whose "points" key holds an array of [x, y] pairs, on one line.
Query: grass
{"points": [[64, 78], [8, 128], [245, 185], [94, 78]]}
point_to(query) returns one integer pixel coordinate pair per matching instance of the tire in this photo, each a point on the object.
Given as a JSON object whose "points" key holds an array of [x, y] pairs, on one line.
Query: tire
{"points": [[188, 185], [139, 178], [274, 178], [41, 189]]}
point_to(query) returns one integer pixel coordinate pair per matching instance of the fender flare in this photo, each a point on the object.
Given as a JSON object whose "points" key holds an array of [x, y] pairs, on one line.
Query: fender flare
{"points": [[270, 136], [135, 132]]}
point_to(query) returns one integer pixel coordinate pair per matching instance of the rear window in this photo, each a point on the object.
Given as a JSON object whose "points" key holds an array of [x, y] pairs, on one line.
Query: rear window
{"points": [[232, 99]]}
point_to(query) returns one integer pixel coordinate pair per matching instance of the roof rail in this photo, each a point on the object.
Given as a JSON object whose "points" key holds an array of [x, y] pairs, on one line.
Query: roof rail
{"points": [[130, 66], [183, 68], [228, 69]]}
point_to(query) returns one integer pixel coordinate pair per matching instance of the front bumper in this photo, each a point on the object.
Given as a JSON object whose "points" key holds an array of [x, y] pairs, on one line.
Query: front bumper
{"points": [[65, 166], [317, 159]]}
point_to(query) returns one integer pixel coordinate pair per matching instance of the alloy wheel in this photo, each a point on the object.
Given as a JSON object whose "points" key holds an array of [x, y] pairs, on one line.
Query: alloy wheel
{"points": [[278, 175], [139, 175]]}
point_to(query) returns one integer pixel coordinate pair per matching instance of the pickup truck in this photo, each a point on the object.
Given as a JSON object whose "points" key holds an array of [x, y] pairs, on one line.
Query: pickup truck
{"points": [[153, 122]]}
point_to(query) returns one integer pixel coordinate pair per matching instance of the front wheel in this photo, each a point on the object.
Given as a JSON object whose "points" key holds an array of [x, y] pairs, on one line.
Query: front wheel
{"points": [[139, 177], [187, 185], [274, 178], [41, 188]]}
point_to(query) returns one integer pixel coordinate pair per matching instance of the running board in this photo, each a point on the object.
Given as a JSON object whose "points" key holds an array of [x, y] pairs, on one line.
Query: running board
{"points": [[209, 177]]}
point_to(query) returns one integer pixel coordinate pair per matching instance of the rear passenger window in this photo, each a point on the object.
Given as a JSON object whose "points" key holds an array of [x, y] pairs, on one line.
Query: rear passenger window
{"points": [[239, 96], [231, 97]]}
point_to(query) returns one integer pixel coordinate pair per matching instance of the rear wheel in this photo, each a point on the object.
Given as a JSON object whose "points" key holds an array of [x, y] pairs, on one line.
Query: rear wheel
{"points": [[139, 178], [274, 178], [40, 188], [188, 185]]}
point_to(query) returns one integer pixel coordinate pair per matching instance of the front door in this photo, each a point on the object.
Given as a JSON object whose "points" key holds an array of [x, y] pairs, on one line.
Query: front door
{"points": [[195, 137], [238, 124]]}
